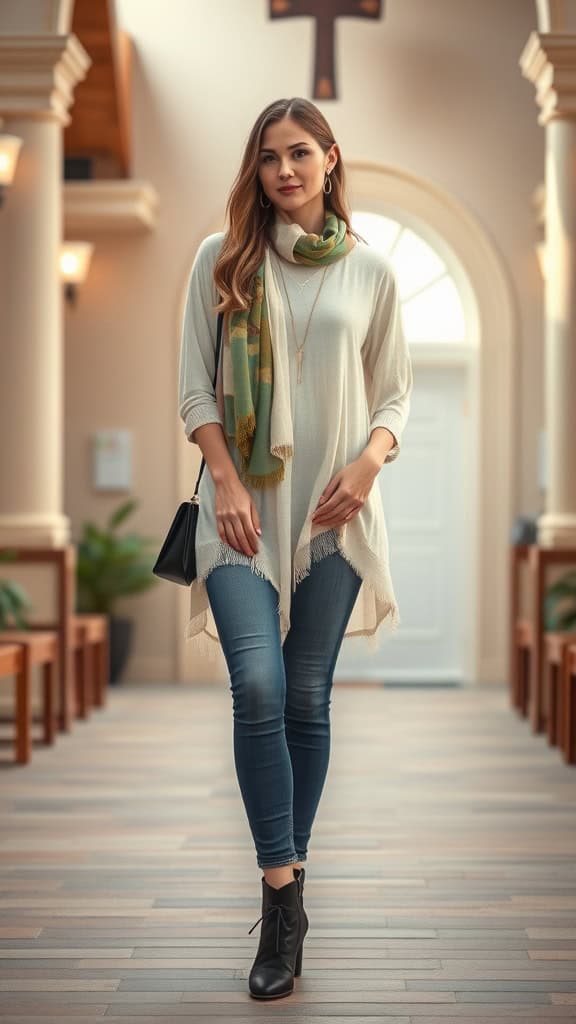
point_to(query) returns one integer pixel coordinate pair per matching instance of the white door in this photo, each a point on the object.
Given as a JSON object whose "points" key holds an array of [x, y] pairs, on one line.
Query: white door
{"points": [[427, 500]]}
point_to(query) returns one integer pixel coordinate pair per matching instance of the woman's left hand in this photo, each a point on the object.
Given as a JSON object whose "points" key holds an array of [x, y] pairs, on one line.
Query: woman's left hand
{"points": [[347, 491]]}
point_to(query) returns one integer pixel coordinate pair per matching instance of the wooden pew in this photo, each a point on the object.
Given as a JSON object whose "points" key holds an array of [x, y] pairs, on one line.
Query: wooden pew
{"points": [[20, 650], [63, 562], [92, 661], [555, 650], [540, 559], [568, 699], [73, 628], [520, 632], [526, 631]]}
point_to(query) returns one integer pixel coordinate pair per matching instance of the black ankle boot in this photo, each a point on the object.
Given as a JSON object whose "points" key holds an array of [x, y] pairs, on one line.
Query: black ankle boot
{"points": [[279, 954], [299, 875]]}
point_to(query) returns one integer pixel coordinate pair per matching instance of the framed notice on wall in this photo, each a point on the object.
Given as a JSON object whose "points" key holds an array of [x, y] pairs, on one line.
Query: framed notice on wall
{"points": [[112, 460]]}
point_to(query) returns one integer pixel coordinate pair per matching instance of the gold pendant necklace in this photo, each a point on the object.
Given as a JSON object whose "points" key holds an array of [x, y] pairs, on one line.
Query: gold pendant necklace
{"points": [[300, 348]]}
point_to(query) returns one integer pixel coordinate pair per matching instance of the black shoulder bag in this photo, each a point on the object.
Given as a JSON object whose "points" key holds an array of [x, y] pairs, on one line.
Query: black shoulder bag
{"points": [[177, 559]]}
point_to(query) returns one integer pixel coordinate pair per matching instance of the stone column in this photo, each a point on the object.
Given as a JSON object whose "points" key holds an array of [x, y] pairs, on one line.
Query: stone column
{"points": [[549, 61], [37, 78]]}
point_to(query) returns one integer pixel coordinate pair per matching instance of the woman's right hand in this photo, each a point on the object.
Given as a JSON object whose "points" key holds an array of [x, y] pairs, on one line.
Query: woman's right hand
{"points": [[236, 515]]}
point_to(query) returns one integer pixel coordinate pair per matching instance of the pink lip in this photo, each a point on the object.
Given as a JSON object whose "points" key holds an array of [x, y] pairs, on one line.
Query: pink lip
{"points": [[290, 188]]}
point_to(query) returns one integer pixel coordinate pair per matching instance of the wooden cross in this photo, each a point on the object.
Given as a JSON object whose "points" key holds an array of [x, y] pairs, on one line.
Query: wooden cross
{"points": [[325, 12]]}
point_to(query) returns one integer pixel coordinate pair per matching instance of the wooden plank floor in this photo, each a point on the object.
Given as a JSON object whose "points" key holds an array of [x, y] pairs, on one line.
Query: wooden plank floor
{"points": [[441, 879]]}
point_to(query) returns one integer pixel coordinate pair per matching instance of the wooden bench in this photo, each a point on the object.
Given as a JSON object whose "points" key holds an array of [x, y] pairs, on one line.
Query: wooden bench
{"points": [[63, 562], [20, 650], [555, 648], [91, 659], [568, 699], [521, 634], [524, 647], [527, 632]]}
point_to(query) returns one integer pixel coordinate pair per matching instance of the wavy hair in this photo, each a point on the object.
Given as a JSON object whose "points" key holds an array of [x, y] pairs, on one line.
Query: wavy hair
{"points": [[248, 234]]}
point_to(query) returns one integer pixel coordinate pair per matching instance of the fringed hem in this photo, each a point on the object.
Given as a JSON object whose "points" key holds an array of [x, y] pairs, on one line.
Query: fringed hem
{"points": [[370, 571], [323, 544], [220, 553], [207, 645], [384, 627], [387, 613]]}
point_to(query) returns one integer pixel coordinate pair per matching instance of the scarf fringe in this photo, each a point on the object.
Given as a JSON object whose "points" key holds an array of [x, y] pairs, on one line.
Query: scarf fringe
{"points": [[261, 482], [283, 451], [244, 437], [245, 428]]}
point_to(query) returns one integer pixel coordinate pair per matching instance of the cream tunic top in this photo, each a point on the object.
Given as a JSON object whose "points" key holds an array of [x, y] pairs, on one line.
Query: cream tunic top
{"points": [[356, 375]]}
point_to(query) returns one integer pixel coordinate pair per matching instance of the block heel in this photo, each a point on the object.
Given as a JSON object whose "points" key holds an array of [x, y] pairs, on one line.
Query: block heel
{"points": [[298, 964], [279, 954]]}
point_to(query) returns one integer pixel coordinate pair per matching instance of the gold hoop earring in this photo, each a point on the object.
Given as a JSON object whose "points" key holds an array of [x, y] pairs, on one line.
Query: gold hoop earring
{"points": [[328, 179], [265, 205]]}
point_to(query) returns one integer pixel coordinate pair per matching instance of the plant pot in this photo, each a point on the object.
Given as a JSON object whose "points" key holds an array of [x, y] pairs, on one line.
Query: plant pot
{"points": [[121, 635]]}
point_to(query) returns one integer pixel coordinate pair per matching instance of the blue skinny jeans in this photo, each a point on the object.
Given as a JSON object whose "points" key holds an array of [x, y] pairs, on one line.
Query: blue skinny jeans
{"points": [[281, 694]]}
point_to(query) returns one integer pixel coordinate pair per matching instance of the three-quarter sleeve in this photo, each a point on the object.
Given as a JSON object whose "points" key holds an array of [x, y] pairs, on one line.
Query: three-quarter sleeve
{"points": [[197, 398], [387, 365]]}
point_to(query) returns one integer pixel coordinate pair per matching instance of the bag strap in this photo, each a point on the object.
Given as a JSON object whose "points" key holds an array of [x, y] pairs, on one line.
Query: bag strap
{"points": [[218, 345]]}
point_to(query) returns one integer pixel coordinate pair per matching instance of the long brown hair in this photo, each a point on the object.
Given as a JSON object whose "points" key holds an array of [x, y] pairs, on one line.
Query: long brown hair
{"points": [[248, 234]]}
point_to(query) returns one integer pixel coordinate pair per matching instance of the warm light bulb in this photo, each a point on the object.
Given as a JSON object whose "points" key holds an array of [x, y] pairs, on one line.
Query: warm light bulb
{"points": [[9, 150], [69, 264], [75, 260]]}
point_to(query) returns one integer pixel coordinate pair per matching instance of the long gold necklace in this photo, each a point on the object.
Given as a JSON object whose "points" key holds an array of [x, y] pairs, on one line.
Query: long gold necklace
{"points": [[300, 348]]}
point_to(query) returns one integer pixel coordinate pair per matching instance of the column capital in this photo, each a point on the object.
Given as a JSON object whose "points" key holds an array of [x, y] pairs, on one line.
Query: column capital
{"points": [[549, 61], [38, 74]]}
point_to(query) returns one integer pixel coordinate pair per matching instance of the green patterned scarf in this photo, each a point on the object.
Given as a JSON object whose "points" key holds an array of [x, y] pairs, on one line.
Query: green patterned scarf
{"points": [[247, 410]]}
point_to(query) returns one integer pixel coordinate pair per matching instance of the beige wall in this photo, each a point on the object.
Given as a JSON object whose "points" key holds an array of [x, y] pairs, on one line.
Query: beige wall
{"points": [[435, 89]]}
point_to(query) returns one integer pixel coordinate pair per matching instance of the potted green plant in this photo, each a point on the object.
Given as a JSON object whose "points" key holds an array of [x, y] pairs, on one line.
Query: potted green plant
{"points": [[109, 567], [560, 604], [14, 601]]}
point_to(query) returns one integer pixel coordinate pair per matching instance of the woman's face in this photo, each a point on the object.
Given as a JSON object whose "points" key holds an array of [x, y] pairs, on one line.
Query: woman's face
{"points": [[290, 156]]}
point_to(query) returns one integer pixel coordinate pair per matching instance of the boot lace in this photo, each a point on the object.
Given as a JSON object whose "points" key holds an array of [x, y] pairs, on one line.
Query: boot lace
{"points": [[279, 907]]}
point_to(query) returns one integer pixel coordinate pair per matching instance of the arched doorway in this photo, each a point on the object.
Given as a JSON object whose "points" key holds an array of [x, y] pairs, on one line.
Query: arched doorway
{"points": [[427, 493], [455, 476]]}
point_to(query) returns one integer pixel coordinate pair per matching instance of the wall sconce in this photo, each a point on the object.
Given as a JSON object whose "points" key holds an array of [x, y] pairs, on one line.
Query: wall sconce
{"points": [[74, 262], [9, 150]]}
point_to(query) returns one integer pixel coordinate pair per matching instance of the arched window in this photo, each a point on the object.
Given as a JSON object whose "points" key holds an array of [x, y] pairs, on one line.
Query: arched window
{"points": [[432, 309]]}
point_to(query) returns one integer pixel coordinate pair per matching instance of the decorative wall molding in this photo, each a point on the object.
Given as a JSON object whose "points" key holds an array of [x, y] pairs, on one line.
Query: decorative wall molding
{"points": [[38, 74], [111, 206], [549, 61]]}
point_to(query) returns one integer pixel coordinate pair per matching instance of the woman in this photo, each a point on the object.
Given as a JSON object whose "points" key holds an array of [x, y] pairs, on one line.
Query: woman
{"points": [[311, 397]]}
